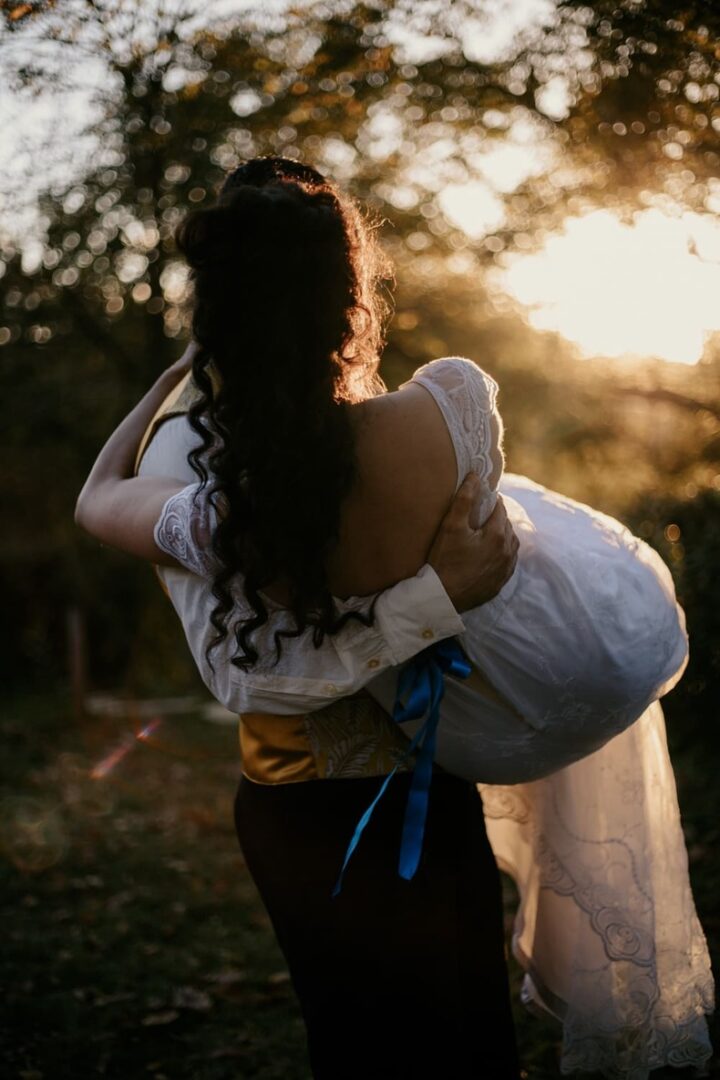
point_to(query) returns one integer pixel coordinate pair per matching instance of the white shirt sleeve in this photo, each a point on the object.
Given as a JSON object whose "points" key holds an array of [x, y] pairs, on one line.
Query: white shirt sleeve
{"points": [[184, 529], [409, 616]]}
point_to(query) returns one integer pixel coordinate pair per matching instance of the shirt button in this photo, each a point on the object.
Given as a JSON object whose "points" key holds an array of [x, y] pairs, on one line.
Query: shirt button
{"points": [[428, 633], [373, 663], [330, 688]]}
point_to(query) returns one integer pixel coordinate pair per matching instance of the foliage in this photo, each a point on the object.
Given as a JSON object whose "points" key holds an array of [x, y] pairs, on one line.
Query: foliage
{"points": [[397, 104], [687, 534], [164, 962]]}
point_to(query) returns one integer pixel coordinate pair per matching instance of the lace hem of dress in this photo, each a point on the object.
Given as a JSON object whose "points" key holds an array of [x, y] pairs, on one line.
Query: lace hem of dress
{"points": [[606, 930], [627, 1053]]}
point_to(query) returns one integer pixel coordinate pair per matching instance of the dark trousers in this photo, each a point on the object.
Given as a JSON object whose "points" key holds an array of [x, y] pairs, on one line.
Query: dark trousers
{"points": [[396, 979]]}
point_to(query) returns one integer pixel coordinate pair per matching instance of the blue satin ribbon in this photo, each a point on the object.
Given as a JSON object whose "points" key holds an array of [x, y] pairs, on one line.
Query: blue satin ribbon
{"points": [[421, 685]]}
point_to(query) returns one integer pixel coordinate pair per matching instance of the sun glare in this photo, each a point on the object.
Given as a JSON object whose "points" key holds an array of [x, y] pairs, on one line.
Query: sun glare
{"points": [[473, 207], [646, 289]]}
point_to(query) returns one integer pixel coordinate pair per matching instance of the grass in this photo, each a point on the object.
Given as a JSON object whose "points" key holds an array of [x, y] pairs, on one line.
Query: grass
{"points": [[135, 944]]}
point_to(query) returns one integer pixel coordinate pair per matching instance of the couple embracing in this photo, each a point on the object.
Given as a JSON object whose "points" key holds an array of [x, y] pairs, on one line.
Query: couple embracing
{"points": [[440, 668]]}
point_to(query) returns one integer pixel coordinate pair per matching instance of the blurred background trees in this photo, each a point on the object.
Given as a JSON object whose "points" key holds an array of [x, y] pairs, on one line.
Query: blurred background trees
{"points": [[474, 131]]}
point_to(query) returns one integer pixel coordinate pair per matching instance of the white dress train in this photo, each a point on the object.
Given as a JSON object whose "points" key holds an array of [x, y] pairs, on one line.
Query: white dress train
{"points": [[606, 929], [576, 780]]}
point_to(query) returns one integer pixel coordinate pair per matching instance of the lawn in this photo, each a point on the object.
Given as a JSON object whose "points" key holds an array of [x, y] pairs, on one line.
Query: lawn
{"points": [[135, 943]]}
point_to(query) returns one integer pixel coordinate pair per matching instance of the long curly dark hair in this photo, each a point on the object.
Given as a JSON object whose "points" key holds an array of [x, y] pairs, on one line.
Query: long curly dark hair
{"points": [[288, 314]]}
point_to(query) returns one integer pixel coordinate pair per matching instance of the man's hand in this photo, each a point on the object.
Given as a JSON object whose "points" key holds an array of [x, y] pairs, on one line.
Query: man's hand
{"points": [[473, 564]]}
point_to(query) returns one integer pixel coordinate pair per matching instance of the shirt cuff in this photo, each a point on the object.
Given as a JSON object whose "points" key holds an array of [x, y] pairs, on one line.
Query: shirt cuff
{"points": [[415, 613]]}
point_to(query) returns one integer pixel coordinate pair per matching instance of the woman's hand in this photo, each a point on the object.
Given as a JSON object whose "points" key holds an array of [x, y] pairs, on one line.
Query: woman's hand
{"points": [[473, 564], [181, 367], [115, 506]]}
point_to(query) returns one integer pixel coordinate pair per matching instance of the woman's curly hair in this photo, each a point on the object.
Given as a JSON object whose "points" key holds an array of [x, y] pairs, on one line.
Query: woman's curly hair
{"points": [[289, 308]]}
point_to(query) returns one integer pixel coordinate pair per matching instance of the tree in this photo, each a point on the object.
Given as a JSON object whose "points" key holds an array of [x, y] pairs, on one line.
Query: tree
{"points": [[620, 102]]}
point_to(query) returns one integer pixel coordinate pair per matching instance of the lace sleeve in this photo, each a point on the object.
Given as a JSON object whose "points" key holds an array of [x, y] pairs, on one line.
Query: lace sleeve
{"points": [[466, 395], [184, 530]]}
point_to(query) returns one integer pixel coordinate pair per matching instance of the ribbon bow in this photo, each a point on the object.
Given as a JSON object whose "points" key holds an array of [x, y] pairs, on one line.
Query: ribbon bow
{"points": [[421, 685]]}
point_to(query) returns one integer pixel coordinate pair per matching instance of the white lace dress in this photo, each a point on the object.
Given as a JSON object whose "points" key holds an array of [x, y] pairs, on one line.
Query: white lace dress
{"points": [[570, 756], [585, 635], [578, 788]]}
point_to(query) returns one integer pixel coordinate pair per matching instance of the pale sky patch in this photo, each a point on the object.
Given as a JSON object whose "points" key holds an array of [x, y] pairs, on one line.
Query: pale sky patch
{"points": [[553, 98], [646, 289], [494, 33], [473, 207]]}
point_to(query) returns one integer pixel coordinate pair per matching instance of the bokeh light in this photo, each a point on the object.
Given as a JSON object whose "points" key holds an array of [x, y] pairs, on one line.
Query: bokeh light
{"points": [[649, 289], [32, 832]]}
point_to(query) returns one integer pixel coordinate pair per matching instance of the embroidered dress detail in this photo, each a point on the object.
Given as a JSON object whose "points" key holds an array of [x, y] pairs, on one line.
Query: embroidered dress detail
{"points": [[466, 397], [607, 931]]}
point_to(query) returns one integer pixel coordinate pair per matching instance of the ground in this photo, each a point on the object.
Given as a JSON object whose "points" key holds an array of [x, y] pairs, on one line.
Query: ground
{"points": [[135, 944]]}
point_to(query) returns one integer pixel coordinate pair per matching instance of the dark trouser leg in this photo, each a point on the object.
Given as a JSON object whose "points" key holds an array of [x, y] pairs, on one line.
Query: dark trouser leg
{"points": [[395, 979]]}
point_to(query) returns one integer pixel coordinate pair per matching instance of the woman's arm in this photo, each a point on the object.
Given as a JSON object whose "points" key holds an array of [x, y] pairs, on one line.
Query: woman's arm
{"points": [[122, 510], [117, 507]]}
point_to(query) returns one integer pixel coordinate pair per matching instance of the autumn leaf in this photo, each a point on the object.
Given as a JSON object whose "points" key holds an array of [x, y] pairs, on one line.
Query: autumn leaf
{"points": [[187, 997], [154, 1019]]}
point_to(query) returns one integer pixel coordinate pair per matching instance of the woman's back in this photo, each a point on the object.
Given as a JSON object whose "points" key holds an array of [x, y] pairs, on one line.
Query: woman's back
{"points": [[407, 474], [414, 448]]}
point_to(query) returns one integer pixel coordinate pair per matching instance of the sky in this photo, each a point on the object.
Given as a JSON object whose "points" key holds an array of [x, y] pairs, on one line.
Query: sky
{"points": [[613, 289]]}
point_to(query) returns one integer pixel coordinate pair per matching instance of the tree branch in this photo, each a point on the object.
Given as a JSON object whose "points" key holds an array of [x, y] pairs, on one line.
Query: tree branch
{"points": [[671, 397]]}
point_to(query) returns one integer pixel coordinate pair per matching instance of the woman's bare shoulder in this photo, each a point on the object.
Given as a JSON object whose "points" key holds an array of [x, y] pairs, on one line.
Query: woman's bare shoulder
{"points": [[406, 423], [407, 460]]}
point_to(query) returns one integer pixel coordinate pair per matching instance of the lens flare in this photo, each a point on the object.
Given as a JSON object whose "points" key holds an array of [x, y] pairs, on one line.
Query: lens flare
{"points": [[113, 759]]}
